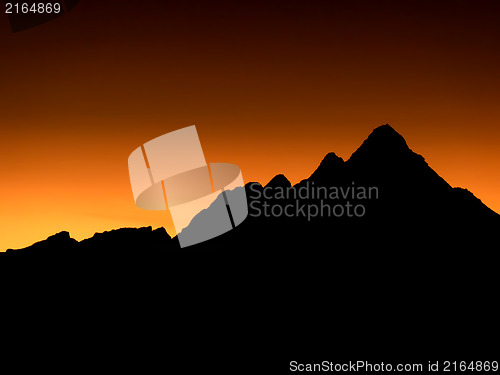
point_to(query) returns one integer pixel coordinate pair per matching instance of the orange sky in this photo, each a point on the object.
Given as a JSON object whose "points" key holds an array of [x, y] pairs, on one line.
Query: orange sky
{"points": [[271, 86]]}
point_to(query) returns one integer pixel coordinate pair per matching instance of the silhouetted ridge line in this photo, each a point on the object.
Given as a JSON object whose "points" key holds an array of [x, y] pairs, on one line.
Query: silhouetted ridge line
{"points": [[412, 208], [121, 240]]}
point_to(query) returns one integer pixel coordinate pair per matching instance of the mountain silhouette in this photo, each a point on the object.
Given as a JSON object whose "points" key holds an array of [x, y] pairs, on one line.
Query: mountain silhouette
{"points": [[410, 206], [279, 181], [420, 257]]}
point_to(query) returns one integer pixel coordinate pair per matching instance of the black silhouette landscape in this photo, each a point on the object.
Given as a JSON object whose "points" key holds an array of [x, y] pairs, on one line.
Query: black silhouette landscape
{"points": [[423, 258], [412, 209]]}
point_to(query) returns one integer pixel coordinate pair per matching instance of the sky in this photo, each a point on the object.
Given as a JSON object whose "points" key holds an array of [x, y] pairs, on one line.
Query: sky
{"points": [[272, 86]]}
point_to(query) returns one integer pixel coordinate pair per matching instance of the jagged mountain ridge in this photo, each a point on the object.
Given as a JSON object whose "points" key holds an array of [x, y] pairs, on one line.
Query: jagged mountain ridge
{"points": [[412, 197]]}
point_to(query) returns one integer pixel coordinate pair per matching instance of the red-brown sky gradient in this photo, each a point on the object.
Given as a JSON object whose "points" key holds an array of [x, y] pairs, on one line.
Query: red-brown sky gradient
{"points": [[272, 86]]}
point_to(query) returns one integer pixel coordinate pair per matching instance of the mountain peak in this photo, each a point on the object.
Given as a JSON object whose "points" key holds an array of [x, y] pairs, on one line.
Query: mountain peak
{"points": [[385, 128], [329, 168], [61, 236], [386, 136], [279, 181], [383, 142], [331, 160]]}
